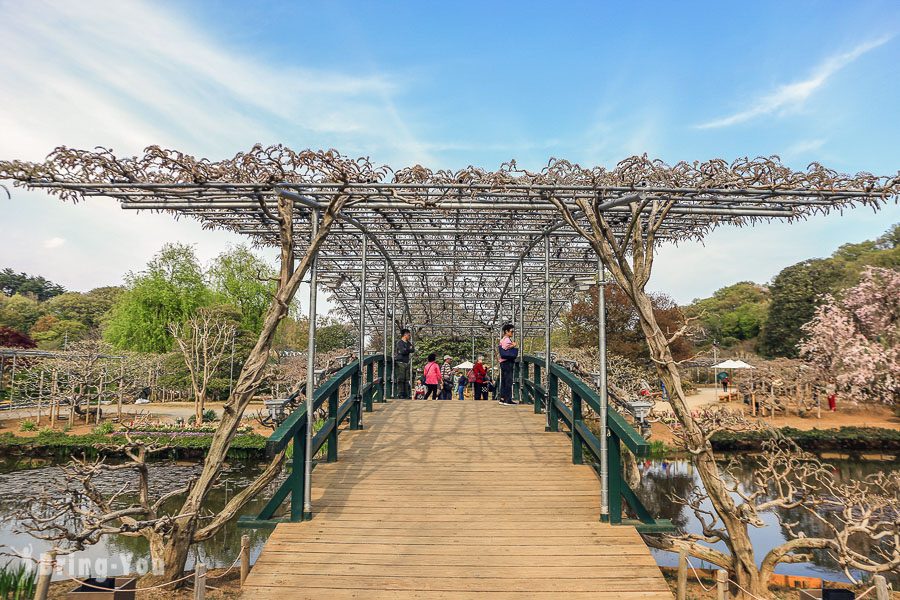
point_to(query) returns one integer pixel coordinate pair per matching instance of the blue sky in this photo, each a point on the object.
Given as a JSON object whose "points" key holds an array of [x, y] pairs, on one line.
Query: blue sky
{"points": [[447, 85]]}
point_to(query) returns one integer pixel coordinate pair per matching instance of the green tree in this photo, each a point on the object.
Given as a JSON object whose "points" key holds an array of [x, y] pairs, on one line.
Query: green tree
{"points": [[169, 290], [246, 282], [12, 283], [796, 292], [19, 312], [736, 312], [51, 333], [88, 309], [331, 334]]}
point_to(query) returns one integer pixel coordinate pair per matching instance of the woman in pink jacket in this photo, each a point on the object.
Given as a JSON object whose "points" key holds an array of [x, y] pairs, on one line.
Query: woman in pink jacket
{"points": [[432, 373]]}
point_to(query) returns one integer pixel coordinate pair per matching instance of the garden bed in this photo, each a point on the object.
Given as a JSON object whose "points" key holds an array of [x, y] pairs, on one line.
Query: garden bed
{"points": [[844, 439], [56, 444]]}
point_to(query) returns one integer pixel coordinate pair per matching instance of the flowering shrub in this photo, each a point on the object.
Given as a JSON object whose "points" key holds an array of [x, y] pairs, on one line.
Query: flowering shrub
{"points": [[854, 340], [184, 430]]}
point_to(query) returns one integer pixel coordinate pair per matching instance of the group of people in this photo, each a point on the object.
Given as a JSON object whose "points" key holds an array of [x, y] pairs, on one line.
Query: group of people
{"points": [[438, 381]]}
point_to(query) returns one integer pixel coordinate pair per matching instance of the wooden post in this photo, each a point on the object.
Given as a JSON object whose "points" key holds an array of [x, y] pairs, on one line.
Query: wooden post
{"points": [[199, 581], [881, 588], [121, 391], [99, 397], [45, 572], [245, 558], [681, 593], [721, 585], [54, 399], [40, 396]]}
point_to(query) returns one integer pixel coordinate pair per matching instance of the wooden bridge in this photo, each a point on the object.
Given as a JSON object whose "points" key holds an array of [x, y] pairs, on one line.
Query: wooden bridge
{"points": [[450, 499]]}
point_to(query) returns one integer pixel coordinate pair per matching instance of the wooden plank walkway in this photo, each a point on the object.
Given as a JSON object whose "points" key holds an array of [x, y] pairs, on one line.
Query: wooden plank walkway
{"points": [[449, 499]]}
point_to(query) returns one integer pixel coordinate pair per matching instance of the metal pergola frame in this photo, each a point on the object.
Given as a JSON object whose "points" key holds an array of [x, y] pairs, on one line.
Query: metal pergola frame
{"points": [[457, 251]]}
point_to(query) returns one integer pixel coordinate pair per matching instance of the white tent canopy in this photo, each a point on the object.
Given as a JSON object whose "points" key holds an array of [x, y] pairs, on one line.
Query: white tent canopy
{"points": [[733, 364], [464, 365]]}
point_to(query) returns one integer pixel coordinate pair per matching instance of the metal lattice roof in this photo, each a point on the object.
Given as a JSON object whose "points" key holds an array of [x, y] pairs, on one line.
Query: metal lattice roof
{"points": [[454, 245]]}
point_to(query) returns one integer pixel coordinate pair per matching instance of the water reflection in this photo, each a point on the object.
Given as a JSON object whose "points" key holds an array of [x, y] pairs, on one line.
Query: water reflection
{"points": [[19, 478], [662, 478]]}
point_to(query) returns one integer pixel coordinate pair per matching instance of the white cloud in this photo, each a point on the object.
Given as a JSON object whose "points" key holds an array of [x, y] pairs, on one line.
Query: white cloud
{"points": [[54, 242], [133, 73], [792, 95], [129, 74], [802, 147]]}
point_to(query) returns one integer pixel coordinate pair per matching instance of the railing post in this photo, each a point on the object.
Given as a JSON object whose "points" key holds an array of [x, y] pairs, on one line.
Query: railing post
{"points": [[199, 581], [615, 482], [538, 402], [355, 388], [370, 377], [245, 558], [552, 394], [681, 588], [523, 368], [382, 377], [577, 452], [333, 405], [298, 479]]}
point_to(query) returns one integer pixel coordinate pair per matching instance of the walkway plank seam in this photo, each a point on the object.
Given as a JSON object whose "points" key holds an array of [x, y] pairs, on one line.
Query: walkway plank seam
{"points": [[447, 499]]}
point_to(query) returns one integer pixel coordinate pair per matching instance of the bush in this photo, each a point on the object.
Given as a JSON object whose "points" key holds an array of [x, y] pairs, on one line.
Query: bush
{"points": [[105, 428], [209, 416], [28, 425]]}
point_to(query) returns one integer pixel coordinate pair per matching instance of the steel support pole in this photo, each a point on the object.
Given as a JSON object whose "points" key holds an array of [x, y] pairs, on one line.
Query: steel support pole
{"points": [[604, 398], [391, 347], [547, 328], [521, 327], [310, 371], [384, 336], [362, 327]]}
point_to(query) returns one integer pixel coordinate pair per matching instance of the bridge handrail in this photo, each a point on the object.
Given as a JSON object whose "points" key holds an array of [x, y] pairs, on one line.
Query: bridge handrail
{"points": [[619, 432], [363, 391]]}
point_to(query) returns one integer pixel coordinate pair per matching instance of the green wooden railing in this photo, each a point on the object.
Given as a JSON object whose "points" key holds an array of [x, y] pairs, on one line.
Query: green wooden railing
{"points": [[368, 389], [363, 392], [619, 432]]}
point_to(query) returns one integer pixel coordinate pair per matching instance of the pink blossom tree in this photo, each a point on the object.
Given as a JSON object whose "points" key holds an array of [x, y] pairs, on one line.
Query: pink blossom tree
{"points": [[854, 339]]}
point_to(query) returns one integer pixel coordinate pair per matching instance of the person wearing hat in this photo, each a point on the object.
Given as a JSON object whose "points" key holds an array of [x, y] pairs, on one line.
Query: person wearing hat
{"points": [[447, 378]]}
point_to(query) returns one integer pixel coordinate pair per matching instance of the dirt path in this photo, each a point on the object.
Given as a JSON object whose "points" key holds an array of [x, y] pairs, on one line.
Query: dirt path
{"points": [[163, 412], [845, 416]]}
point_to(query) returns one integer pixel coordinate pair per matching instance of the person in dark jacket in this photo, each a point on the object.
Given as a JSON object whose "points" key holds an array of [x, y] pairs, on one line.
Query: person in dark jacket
{"points": [[509, 351], [402, 351]]}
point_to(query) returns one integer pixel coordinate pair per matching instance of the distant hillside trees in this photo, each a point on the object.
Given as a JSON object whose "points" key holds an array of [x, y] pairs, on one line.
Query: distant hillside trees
{"points": [[800, 289], [734, 313], [12, 283], [769, 319]]}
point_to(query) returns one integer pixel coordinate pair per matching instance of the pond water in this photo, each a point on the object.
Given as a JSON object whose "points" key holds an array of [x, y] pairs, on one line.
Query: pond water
{"points": [[662, 478], [119, 554]]}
